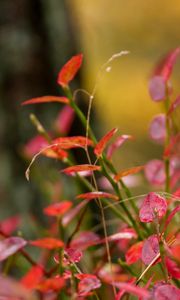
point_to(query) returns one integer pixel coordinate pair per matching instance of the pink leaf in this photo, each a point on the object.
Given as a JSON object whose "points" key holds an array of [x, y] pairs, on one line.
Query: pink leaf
{"points": [[10, 245], [153, 205], [85, 240], [155, 172], [12, 290], [119, 236], [72, 142], [46, 99], [57, 209], [132, 289], [35, 145], [64, 120], [130, 171], [32, 277], [87, 284], [99, 148], [157, 88], [8, 226], [174, 105], [166, 292], [97, 195], [118, 142], [73, 255], [157, 128], [69, 70], [150, 249], [47, 243], [70, 215], [134, 253], [164, 68], [80, 168]]}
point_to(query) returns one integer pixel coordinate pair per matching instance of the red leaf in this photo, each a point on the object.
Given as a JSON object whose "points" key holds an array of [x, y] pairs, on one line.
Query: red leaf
{"points": [[174, 105], [52, 284], [155, 172], [97, 195], [64, 120], [73, 213], [119, 236], [55, 152], [134, 253], [157, 128], [153, 205], [166, 292], [57, 209], [164, 68], [72, 142], [8, 226], [46, 99], [132, 289], [32, 277], [150, 249], [171, 215], [85, 240], [127, 172], [174, 146], [87, 284], [10, 245], [73, 255], [69, 70], [172, 268], [99, 148], [118, 142], [157, 88], [47, 243], [80, 168]]}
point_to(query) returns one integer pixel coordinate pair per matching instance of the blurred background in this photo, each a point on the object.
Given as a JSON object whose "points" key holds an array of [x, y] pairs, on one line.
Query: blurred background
{"points": [[37, 37]]}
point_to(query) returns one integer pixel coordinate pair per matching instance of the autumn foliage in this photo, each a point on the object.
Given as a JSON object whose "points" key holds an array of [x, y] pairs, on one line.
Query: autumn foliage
{"points": [[140, 255]]}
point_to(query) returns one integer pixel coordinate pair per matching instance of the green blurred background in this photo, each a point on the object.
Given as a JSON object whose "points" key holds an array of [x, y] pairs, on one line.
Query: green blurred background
{"points": [[38, 36]]}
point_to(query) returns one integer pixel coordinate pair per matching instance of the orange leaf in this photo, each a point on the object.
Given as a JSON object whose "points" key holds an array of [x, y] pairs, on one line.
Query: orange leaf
{"points": [[72, 142], [94, 195], [55, 152], [47, 243], [52, 284], [80, 168], [103, 142], [127, 172], [57, 209], [69, 70], [46, 99], [32, 277]]}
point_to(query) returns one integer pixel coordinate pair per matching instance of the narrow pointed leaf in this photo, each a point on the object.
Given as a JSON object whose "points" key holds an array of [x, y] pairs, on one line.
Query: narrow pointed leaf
{"points": [[57, 209], [171, 215], [69, 70], [46, 99], [71, 214], [174, 105], [132, 289], [99, 148], [118, 143], [72, 142], [10, 246], [80, 168], [85, 240], [134, 253], [97, 195], [130, 171], [47, 243]]}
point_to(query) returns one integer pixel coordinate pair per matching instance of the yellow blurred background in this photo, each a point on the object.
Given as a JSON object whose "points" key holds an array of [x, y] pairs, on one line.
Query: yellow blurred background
{"points": [[148, 29]]}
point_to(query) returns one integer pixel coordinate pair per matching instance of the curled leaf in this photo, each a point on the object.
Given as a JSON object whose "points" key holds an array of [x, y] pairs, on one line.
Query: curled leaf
{"points": [[47, 243], [130, 171], [97, 195], [11, 245], [157, 128], [99, 148], [46, 99], [69, 70], [118, 143], [153, 206], [57, 209], [157, 88]]}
